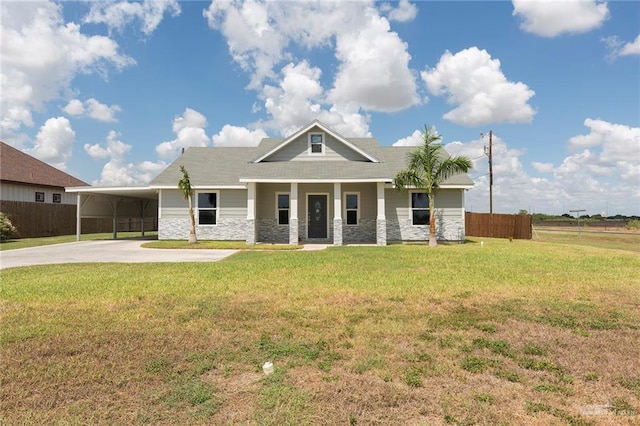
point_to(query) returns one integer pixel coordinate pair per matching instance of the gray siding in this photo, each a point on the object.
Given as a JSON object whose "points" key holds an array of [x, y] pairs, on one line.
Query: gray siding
{"points": [[173, 205], [334, 150], [449, 216], [233, 204], [27, 193]]}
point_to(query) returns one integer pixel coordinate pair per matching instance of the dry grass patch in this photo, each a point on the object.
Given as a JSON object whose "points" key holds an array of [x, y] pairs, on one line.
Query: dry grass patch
{"points": [[507, 333]]}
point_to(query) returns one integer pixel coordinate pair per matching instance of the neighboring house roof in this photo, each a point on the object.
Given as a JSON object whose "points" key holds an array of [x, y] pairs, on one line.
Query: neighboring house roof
{"points": [[211, 167], [18, 167]]}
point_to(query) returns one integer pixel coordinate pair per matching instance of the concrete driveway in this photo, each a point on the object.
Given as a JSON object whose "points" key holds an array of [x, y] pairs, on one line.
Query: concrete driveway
{"points": [[120, 251]]}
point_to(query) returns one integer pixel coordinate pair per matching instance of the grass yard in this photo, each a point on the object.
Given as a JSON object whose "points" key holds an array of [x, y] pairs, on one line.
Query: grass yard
{"points": [[44, 241], [506, 333]]}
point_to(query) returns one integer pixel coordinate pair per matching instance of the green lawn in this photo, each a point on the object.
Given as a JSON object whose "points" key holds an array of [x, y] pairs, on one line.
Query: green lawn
{"points": [[43, 241], [518, 332]]}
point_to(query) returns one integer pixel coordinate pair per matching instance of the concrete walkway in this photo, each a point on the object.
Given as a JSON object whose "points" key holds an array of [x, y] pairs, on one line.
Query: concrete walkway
{"points": [[120, 251]]}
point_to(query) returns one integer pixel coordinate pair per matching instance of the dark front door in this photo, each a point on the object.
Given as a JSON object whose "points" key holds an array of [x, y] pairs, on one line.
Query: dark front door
{"points": [[317, 216]]}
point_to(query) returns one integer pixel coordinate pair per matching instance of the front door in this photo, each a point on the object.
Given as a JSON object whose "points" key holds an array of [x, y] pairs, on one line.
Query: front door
{"points": [[317, 216]]}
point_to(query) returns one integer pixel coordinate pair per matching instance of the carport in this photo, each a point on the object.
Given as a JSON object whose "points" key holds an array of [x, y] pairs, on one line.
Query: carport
{"points": [[114, 202]]}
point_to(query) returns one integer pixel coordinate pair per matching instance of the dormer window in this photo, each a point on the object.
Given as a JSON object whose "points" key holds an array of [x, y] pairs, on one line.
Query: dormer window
{"points": [[316, 143]]}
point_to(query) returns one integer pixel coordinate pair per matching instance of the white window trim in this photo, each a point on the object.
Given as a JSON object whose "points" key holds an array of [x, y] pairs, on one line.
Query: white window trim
{"points": [[324, 143], [197, 207], [411, 209], [278, 210], [344, 210]]}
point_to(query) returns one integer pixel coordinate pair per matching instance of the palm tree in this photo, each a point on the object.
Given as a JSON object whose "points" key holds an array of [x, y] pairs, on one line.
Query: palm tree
{"points": [[428, 166], [184, 185]]}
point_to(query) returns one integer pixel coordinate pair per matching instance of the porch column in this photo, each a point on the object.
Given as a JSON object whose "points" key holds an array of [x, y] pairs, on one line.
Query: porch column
{"points": [[251, 213], [337, 214], [381, 219], [293, 214]]}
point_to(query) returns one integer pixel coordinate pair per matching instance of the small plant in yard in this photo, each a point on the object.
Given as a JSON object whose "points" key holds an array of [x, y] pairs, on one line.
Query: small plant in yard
{"points": [[621, 406], [591, 376], [484, 398], [476, 364], [412, 378], [7, 230]]}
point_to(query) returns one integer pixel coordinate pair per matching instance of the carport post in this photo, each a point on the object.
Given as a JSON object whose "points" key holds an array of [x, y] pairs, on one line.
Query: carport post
{"points": [[79, 217]]}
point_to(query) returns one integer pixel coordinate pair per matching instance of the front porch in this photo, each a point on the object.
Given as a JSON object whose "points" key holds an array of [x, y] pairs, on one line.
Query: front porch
{"points": [[316, 213]]}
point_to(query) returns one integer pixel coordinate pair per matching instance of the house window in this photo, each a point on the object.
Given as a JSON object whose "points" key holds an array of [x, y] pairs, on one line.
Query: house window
{"points": [[207, 208], [39, 197], [282, 200], [419, 208], [316, 143], [352, 208], [57, 198]]}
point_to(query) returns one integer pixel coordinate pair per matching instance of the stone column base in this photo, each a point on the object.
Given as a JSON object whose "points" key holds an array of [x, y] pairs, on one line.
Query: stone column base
{"points": [[337, 232], [381, 232], [293, 232], [251, 231]]}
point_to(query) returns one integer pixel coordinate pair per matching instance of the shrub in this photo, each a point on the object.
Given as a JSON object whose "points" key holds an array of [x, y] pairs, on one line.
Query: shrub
{"points": [[633, 224], [7, 230]]}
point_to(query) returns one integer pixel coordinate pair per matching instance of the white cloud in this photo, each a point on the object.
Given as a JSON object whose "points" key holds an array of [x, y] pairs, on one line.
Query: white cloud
{"points": [[618, 142], [549, 18], [631, 48], [475, 82], [374, 71], [41, 54], [617, 47], [542, 167], [54, 142], [262, 35], [119, 14], [403, 13], [92, 108], [117, 171], [189, 118], [189, 130], [414, 140], [238, 136], [75, 107], [298, 100]]}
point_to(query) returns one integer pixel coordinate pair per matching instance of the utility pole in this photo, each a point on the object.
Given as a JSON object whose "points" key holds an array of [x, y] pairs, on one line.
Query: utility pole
{"points": [[490, 154], [491, 173]]}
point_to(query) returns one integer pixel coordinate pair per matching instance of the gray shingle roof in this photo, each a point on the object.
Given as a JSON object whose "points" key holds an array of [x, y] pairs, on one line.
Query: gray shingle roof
{"points": [[229, 166]]}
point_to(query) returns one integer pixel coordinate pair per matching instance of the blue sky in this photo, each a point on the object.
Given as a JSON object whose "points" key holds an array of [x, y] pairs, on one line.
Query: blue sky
{"points": [[112, 91]]}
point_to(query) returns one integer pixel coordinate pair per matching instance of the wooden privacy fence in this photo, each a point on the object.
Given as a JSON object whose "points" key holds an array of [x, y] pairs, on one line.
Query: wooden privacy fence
{"points": [[49, 220], [516, 226]]}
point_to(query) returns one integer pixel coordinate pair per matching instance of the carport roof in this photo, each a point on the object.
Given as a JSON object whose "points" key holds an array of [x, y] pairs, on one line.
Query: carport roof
{"points": [[141, 192]]}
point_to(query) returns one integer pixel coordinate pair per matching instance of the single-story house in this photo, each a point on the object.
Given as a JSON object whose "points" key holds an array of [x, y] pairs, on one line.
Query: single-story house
{"points": [[32, 194], [313, 186]]}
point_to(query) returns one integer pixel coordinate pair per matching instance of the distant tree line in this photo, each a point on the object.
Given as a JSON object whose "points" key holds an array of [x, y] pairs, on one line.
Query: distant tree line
{"points": [[543, 217]]}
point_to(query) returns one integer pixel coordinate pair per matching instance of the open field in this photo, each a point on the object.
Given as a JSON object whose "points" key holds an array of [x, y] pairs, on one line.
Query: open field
{"points": [[521, 332], [629, 241]]}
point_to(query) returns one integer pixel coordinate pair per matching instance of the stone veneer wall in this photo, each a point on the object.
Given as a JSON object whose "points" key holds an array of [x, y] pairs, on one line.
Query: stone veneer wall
{"points": [[270, 232], [226, 229], [363, 232], [449, 229]]}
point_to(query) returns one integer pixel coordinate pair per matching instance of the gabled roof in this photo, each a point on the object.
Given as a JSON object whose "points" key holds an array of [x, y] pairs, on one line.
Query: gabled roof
{"points": [[18, 167], [232, 167], [324, 128]]}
